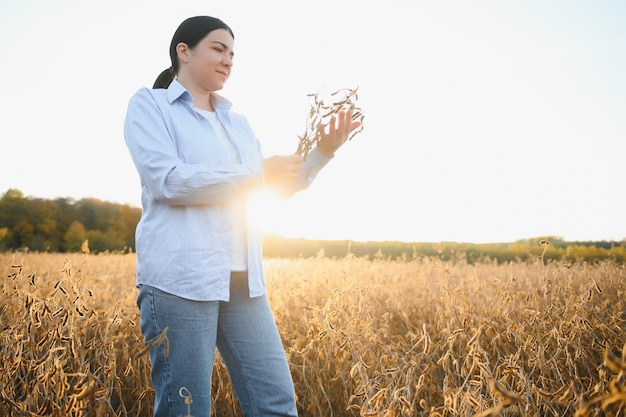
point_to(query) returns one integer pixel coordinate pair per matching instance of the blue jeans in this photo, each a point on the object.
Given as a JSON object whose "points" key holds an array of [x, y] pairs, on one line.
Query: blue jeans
{"points": [[244, 332]]}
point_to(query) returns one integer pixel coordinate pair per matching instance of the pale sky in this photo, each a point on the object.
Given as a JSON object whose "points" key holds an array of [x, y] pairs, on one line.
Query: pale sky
{"points": [[485, 121]]}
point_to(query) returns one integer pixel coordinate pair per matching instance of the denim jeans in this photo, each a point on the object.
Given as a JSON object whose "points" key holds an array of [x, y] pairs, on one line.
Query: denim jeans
{"points": [[244, 332]]}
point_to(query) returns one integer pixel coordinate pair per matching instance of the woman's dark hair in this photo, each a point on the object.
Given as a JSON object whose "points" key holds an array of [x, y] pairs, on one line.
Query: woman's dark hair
{"points": [[190, 32]]}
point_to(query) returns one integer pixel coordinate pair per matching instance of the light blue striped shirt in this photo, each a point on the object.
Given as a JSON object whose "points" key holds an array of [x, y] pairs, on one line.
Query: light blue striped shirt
{"points": [[188, 188]]}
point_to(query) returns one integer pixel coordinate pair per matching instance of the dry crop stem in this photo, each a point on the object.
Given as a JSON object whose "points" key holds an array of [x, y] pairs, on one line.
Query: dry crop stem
{"points": [[417, 337]]}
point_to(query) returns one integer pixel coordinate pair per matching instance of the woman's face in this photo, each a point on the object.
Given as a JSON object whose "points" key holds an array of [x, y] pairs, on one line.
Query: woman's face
{"points": [[208, 65]]}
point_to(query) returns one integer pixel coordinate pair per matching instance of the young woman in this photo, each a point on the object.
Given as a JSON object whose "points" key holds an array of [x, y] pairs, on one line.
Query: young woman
{"points": [[199, 268]]}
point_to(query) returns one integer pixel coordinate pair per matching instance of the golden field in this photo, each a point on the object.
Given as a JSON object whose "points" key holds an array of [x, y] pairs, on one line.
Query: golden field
{"points": [[364, 337]]}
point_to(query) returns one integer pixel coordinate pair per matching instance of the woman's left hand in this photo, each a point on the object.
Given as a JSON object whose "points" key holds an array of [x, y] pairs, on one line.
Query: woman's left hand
{"points": [[339, 129]]}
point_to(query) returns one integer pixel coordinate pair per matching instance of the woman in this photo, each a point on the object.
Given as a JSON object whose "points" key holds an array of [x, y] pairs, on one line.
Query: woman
{"points": [[199, 269]]}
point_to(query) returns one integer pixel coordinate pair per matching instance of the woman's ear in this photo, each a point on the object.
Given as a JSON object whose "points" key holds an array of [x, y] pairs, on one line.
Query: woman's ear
{"points": [[182, 50]]}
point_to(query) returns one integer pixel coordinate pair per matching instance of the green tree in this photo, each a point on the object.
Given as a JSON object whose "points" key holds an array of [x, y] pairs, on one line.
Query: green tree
{"points": [[74, 237], [4, 233], [43, 214], [23, 233], [12, 212]]}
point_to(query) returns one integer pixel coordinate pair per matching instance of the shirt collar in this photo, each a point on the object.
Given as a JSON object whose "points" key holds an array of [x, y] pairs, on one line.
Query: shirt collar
{"points": [[176, 91]]}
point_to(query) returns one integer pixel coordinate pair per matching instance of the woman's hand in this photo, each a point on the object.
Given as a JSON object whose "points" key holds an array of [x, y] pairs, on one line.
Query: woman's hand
{"points": [[339, 129], [281, 169]]}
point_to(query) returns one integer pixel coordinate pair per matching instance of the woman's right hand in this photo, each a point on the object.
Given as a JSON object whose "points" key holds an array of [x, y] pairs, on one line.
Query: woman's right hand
{"points": [[281, 170]]}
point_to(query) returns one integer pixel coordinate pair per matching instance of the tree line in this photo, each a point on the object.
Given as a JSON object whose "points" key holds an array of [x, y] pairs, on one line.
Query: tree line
{"points": [[543, 248], [65, 224]]}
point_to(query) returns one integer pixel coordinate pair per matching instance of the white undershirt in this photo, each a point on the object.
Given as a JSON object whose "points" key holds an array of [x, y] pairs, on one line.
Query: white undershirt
{"points": [[239, 249]]}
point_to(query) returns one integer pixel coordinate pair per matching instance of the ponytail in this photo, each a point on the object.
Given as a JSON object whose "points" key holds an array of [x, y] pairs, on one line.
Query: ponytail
{"points": [[164, 79]]}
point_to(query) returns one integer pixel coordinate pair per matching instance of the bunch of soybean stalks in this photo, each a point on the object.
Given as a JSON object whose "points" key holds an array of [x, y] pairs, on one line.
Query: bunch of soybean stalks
{"points": [[364, 337], [424, 338], [66, 350], [321, 113]]}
